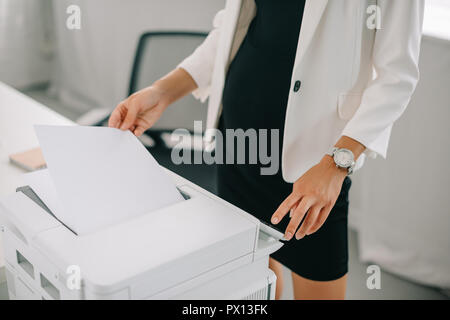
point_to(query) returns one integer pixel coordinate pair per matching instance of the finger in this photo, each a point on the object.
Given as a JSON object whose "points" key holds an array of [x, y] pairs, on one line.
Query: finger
{"points": [[323, 215], [139, 131], [309, 221], [142, 125], [297, 216], [130, 118], [291, 212], [116, 116], [284, 207]]}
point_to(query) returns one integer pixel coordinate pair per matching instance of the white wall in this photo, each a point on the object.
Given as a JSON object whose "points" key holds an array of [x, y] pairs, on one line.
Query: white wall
{"points": [[95, 62], [400, 206], [25, 42]]}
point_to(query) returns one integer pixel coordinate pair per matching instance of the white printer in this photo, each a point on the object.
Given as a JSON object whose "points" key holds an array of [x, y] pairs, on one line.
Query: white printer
{"points": [[199, 248]]}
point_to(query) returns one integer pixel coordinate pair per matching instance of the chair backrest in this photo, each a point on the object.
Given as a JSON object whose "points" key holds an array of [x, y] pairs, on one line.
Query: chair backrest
{"points": [[156, 55]]}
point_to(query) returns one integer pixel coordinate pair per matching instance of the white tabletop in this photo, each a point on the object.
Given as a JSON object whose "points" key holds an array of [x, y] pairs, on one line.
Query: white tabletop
{"points": [[18, 114]]}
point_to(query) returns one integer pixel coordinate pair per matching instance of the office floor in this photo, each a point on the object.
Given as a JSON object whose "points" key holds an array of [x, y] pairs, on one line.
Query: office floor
{"points": [[392, 287]]}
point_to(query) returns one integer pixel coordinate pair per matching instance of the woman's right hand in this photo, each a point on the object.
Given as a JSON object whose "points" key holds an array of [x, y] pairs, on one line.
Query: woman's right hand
{"points": [[142, 109], [139, 111]]}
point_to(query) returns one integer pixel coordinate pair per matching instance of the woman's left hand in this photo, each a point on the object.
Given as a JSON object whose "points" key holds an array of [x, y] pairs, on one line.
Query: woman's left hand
{"points": [[314, 195]]}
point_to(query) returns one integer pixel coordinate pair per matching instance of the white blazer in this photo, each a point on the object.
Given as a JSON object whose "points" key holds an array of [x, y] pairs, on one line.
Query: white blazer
{"points": [[356, 80]]}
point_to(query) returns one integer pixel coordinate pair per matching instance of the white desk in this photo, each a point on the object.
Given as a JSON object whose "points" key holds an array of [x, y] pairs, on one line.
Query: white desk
{"points": [[18, 114]]}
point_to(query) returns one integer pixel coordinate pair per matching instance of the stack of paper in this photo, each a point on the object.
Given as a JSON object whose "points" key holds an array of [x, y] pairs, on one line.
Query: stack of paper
{"points": [[98, 177]]}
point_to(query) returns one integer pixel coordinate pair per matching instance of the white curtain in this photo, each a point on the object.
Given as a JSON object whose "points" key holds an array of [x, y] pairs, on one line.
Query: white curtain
{"points": [[26, 42]]}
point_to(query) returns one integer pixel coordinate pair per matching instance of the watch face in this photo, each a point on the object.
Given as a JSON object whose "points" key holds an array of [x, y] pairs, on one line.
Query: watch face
{"points": [[343, 158]]}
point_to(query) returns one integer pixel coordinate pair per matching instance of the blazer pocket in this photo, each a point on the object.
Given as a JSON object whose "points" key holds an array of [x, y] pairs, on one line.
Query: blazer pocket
{"points": [[348, 103]]}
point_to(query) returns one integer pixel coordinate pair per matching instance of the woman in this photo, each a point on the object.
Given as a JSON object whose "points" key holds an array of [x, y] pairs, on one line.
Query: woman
{"points": [[332, 77]]}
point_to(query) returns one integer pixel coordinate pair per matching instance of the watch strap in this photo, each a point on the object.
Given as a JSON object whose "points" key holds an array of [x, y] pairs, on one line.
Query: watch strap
{"points": [[331, 151]]}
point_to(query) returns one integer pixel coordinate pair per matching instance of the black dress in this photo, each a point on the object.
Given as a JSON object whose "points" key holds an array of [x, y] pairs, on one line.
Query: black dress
{"points": [[255, 97]]}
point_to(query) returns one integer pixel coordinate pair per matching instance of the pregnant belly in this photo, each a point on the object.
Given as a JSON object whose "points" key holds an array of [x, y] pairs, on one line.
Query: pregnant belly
{"points": [[256, 89]]}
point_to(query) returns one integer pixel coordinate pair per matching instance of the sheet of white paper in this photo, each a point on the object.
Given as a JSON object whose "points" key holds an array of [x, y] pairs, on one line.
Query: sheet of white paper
{"points": [[102, 176], [43, 186]]}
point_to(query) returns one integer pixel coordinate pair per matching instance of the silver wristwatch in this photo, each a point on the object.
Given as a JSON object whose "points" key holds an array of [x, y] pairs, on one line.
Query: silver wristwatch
{"points": [[343, 158]]}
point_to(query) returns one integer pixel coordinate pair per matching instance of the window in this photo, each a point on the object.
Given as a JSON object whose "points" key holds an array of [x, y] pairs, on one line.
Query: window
{"points": [[437, 18]]}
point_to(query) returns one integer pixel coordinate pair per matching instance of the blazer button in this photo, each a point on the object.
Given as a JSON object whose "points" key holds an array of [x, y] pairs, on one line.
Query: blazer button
{"points": [[297, 85]]}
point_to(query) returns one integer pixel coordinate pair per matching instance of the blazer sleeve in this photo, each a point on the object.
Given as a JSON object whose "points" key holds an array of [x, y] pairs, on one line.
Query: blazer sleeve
{"points": [[395, 61], [200, 63]]}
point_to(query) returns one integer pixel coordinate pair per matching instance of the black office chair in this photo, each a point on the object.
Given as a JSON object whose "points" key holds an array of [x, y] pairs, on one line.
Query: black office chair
{"points": [[156, 54]]}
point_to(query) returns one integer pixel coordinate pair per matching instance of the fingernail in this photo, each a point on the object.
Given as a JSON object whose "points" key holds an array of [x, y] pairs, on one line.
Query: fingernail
{"points": [[288, 236], [274, 220], [299, 236]]}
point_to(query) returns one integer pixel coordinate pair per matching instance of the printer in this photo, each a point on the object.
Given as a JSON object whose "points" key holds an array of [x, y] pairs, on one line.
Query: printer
{"points": [[199, 248]]}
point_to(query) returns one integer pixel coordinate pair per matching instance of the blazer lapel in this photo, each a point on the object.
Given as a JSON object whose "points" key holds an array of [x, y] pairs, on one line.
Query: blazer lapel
{"points": [[311, 17], [244, 12]]}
